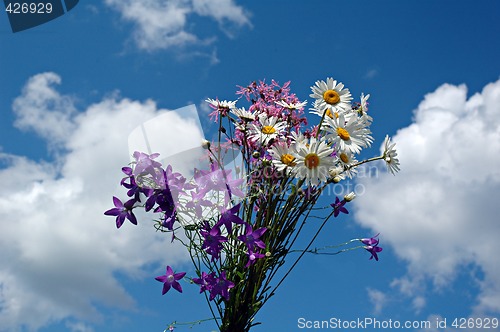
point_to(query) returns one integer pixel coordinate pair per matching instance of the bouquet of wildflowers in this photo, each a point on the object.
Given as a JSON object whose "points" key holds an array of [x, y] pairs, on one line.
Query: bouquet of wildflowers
{"points": [[241, 222]]}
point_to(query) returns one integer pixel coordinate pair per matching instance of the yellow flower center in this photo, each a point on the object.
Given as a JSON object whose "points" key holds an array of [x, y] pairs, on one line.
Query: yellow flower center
{"points": [[288, 159], [331, 115], [344, 134], [344, 158], [268, 130], [331, 97], [311, 160]]}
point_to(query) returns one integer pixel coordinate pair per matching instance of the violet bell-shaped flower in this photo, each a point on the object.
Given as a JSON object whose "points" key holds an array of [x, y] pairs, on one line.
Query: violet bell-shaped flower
{"points": [[122, 211], [252, 238], [338, 206], [169, 279]]}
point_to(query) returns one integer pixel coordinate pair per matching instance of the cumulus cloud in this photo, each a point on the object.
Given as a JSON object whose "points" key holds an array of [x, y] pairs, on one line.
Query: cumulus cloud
{"points": [[42, 109], [378, 300], [162, 24], [439, 214], [60, 254]]}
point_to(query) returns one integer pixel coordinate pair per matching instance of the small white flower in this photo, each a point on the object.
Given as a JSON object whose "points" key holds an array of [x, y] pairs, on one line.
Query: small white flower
{"points": [[283, 157], [291, 106], [313, 161], [364, 104], [390, 155], [221, 104], [363, 110], [346, 159], [268, 128], [331, 95], [243, 114], [350, 196], [205, 144], [347, 136], [298, 138]]}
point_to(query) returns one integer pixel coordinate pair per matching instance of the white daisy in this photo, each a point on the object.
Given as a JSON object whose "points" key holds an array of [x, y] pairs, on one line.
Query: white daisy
{"points": [[291, 106], [350, 135], [363, 109], [298, 138], [313, 161], [267, 129], [221, 104], [331, 95], [283, 157], [243, 114], [331, 114], [346, 159], [390, 155]]}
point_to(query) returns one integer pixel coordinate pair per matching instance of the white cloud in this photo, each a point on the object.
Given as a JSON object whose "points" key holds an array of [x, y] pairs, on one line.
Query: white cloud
{"points": [[42, 109], [378, 300], [162, 24], [60, 254], [440, 213]]}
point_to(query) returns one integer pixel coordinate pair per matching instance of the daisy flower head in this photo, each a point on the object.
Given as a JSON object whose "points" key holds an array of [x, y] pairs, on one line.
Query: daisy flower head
{"points": [[283, 157], [331, 94], [216, 103], [313, 161], [298, 137], [390, 155], [221, 107], [266, 129], [362, 109], [348, 135], [346, 160], [292, 105], [243, 114]]}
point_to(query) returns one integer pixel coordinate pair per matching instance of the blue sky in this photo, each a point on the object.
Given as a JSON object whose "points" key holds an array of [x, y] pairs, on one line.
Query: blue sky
{"points": [[73, 89]]}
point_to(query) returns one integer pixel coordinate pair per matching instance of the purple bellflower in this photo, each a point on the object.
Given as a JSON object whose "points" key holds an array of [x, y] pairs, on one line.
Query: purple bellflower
{"points": [[145, 163], [373, 250], [230, 216], [221, 287], [252, 238], [206, 281], [253, 256], [122, 211], [213, 241], [371, 241], [338, 207], [169, 279]]}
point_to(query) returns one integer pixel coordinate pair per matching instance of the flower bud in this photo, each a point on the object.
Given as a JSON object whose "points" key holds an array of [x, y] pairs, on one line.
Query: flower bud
{"points": [[256, 154], [336, 179], [205, 144], [335, 171], [350, 196]]}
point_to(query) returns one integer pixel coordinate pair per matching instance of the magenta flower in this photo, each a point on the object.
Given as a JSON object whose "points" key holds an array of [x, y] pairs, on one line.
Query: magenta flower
{"points": [[252, 238], [338, 207], [169, 279], [122, 211], [221, 287]]}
